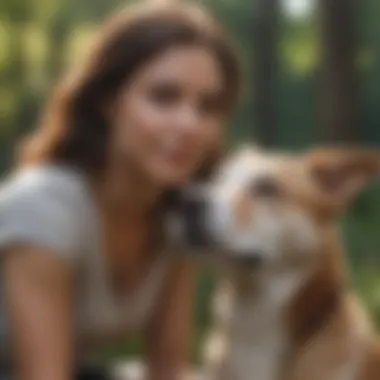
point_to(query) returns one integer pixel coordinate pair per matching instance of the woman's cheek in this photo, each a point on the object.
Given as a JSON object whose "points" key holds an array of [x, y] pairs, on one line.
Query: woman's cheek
{"points": [[206, 145], [214, 134], [141, 124]]}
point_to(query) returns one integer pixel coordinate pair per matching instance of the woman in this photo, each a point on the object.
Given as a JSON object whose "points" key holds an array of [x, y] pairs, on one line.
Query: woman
{"points": [[79, 222]]}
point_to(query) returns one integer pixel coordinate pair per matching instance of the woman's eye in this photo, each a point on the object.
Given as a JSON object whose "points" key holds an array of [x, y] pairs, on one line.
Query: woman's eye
{"points": [[165, 94], [266, 187]]}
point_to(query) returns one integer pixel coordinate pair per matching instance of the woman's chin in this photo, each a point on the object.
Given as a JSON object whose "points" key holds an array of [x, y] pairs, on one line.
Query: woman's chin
{"points": [[173, 178]]}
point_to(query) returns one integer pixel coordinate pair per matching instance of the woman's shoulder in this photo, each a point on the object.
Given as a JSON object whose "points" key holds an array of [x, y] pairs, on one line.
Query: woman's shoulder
{"points": [[44, 205], [42, 180]]}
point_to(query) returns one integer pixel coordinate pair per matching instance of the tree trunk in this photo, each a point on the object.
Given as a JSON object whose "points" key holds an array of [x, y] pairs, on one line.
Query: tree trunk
{"points": [[264, 66], [339, 95]]}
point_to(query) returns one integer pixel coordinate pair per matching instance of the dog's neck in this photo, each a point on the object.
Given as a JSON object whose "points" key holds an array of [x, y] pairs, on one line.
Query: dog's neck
{"points": [[320, 296], [288, 306]]}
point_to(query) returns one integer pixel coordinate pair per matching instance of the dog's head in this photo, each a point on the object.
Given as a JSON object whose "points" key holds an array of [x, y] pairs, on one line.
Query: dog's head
{"points": [[263, 209]]}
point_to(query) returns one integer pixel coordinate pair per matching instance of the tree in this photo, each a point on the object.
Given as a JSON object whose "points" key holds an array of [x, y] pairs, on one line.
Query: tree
{"points": [[339, 95], [264, 70]]}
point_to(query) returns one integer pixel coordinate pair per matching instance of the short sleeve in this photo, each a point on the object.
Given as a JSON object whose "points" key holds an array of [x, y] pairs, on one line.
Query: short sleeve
{"points": [[43, 207]]}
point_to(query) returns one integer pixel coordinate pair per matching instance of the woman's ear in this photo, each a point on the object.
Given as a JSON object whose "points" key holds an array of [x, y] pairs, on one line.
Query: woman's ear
{"points": [[342, 173]]}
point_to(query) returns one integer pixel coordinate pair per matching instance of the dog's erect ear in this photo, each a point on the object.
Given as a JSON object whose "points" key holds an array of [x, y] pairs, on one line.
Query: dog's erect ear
{"points": [[341, 173]]}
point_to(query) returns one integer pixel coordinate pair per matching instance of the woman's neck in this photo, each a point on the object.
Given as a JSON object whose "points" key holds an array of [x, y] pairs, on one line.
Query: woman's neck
{"points": [[125, 191]]}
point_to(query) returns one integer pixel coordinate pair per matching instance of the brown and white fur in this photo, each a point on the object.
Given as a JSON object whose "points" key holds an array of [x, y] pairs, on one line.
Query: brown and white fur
{"points": [[284, 310]]}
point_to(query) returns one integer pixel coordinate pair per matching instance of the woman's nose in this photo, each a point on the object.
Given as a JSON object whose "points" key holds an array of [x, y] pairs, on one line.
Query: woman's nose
{"points": [[188, 120]]}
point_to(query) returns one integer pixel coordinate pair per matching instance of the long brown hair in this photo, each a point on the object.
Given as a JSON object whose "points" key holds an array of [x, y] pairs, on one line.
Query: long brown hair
{"points": [[74, 127]]}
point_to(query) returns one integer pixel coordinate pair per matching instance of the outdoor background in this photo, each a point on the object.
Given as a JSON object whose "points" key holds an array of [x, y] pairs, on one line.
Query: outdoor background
{"points": [[312, 75]]}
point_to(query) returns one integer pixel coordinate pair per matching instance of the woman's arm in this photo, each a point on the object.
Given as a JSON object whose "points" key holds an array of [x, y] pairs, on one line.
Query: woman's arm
{"points": [[39, 294], [169, 335]]}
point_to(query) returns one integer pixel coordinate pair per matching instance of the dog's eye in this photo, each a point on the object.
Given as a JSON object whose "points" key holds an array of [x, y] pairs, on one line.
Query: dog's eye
{"points": [[266, 187]]}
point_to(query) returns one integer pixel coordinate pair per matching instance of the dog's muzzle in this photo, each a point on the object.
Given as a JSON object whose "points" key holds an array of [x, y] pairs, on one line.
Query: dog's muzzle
{"points": [[186, 221], [250, 260]]}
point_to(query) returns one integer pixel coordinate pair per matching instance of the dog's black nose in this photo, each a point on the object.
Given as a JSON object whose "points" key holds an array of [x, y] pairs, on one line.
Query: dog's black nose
{"points": [[194, 213], [251, 260], [190, 207]]}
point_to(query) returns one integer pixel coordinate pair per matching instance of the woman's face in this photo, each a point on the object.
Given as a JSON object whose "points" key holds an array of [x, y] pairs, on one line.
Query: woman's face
{"points": [[168, 118]]}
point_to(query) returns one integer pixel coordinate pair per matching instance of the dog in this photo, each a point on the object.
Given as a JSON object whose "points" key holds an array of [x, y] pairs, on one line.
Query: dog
{"points": [[283, 310]]}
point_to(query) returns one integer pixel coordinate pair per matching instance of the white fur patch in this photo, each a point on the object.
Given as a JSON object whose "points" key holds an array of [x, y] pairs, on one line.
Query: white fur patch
{"points": [[255, 333]]}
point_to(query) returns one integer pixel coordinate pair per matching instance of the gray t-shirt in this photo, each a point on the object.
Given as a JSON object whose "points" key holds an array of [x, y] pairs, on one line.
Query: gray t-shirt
{"points": [[52, 207]]}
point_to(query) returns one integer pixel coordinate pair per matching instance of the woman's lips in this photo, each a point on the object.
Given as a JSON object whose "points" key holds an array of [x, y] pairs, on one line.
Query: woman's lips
{"points": [[178, 157]]}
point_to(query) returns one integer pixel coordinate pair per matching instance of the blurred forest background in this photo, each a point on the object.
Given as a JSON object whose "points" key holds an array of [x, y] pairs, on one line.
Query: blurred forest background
{"points": [[312, 75]]}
